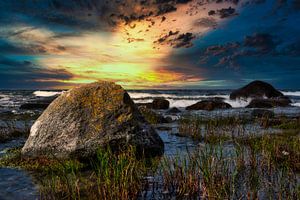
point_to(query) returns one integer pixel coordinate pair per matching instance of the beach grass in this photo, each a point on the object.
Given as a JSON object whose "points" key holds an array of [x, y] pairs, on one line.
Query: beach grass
{"points": [[222, 167]]}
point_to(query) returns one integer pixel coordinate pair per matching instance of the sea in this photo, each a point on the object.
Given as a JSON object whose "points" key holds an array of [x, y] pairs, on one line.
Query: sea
{"points": [[11, 100], [19, 184]]}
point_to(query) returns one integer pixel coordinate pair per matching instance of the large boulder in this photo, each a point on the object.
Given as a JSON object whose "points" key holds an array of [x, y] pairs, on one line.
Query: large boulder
{"points": [[256, 89], [89, 117], [209, 105], [160, 103], [269, 103]]}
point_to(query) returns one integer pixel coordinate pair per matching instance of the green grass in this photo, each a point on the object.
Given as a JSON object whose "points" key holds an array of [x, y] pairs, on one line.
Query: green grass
{"points": [[281, 149], [223, 167], [289, 124], [210, 173], [107, 176], [209, 130]]}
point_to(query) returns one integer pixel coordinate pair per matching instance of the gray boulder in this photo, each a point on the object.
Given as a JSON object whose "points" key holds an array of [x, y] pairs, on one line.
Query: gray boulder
{"points": [[88, 117]]}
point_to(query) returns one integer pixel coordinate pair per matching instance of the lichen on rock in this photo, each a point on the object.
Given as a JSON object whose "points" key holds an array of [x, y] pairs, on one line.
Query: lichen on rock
{"points": [[87, 117]]}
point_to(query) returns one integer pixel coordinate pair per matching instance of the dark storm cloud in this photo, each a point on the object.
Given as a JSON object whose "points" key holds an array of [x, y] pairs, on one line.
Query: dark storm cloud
{"points": [[223, 13], [9, 48], [82, 14], [177, 40], [15, 74], [262, 42], [227, 55]]}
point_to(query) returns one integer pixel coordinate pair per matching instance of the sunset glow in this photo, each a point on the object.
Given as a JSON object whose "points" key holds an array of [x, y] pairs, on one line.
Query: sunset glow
{"points": [[139, 44]]}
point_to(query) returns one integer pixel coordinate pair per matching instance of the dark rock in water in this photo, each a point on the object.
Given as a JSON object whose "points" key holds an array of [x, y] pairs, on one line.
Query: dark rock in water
{"points": [[10, 132], [173, 110], [269, 103], [153, 117], [262, 113], [256, 89], [147, 105], [160, 103], [209, 105], [89, 117], [42, 103]]}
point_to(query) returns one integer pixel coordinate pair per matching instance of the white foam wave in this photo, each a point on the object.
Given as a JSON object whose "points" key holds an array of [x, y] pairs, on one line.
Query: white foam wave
{"points": [[296, 104], [182, 103], [239, 103], [296, 93], [138, 95], [46, 93]]}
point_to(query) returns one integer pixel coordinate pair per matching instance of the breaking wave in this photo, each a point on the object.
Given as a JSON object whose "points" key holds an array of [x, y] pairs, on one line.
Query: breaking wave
{"points": [[182, 100], [295, 93], [46, 93]]}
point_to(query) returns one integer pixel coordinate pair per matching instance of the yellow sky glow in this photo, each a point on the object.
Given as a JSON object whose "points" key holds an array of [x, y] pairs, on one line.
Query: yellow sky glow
{"points": [[128, 55]]}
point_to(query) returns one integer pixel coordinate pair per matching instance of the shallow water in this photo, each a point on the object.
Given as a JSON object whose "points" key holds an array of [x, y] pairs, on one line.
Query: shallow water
{"points": [[18, 184], [14, 183]]}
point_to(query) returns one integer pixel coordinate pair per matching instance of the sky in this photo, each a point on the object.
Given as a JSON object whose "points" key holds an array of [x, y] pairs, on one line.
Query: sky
{"points": [[149, 44]]}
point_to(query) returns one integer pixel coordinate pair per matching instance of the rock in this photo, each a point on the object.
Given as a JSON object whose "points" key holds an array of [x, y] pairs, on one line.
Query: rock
{"points": [[259, 113], [256, 89], [173, 110], [160, 104], [146, 105], [10, 133], [209, 105], [153, 117], [89, 117], [42, 103], [269, 103]]}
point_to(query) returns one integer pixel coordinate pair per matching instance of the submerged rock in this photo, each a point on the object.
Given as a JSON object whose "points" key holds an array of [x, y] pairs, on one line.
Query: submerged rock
{"points": [[160, 104], [146, 105], [256, 89], [209, 105], [153, 117], [173, 110], [269, 103], [85, 118]]}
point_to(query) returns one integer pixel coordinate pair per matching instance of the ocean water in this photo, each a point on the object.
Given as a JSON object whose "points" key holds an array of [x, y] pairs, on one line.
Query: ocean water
{"points": [[11, 100], [18, 184]]}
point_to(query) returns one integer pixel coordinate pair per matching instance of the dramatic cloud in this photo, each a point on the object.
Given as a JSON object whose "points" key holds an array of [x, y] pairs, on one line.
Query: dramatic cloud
{"points": [[142, 44]]}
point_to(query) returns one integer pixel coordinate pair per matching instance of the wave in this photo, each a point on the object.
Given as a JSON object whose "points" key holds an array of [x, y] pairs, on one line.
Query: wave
{"points": [[238, 103], [296, 104], [184, 102], [46, 93], [288, 93], [140, 96]]}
